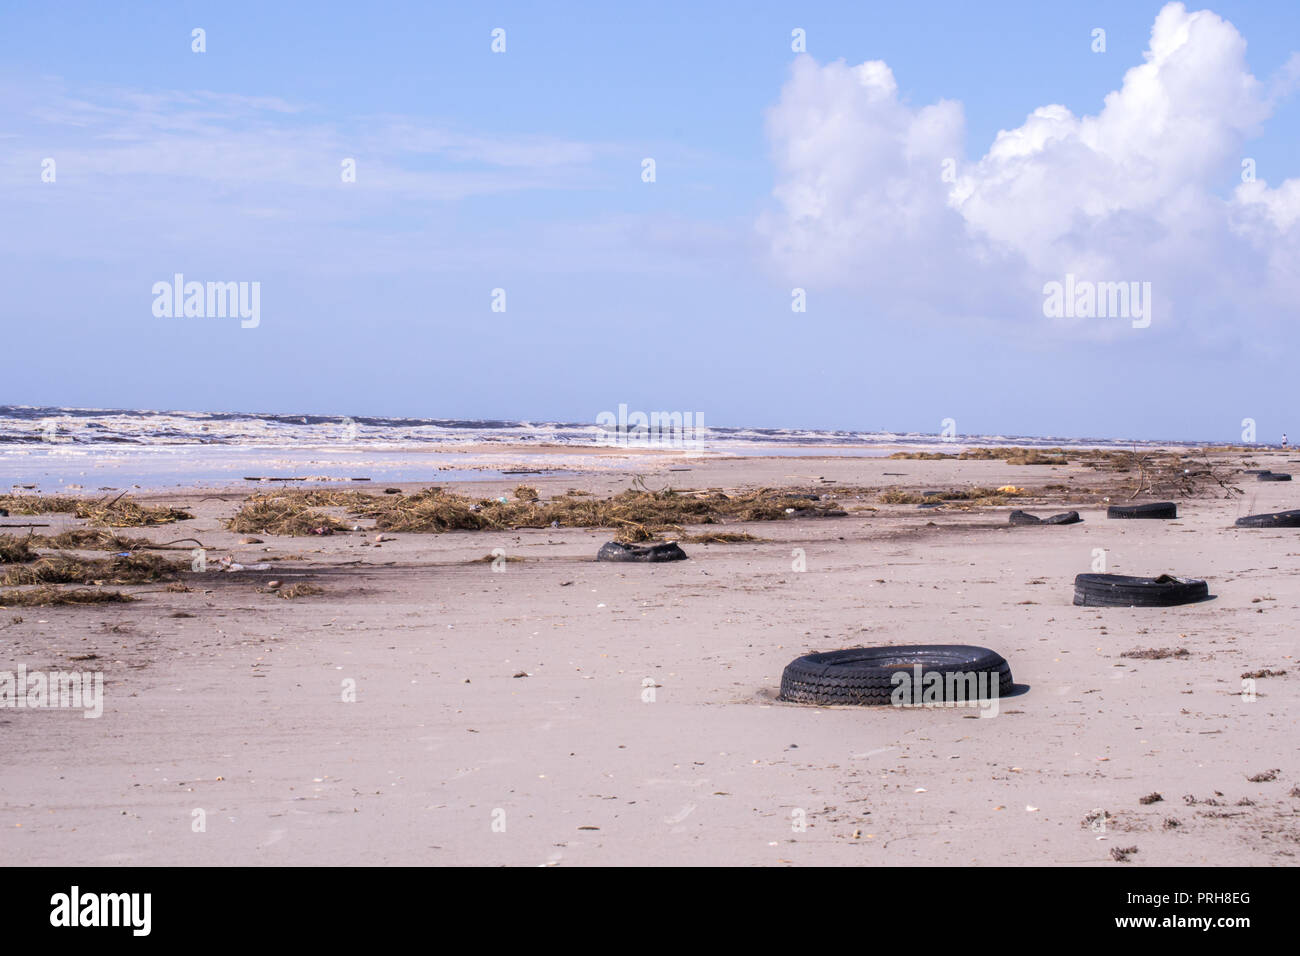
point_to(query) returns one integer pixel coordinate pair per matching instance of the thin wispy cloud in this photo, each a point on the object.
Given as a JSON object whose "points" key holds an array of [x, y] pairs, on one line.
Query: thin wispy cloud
{"points": [[225, 139]]}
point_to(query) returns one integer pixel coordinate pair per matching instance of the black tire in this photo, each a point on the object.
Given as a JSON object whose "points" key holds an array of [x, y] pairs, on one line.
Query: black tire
{"points": [[1065, 517], [1275, 519], [1272, 476], [614, 551], [1152, 509], [865, 675], [1024, 517], [1122, 590]]}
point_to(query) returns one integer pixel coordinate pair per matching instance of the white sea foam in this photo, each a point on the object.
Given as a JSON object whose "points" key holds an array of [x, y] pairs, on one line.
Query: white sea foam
{"points": [[79, 428]]}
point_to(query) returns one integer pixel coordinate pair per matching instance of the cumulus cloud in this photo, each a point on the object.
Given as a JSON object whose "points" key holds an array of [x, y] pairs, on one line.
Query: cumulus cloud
{"points": [[858, 171], [874, 194]]}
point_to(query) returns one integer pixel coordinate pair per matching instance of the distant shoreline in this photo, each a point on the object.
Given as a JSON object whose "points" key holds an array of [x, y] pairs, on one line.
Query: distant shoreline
{"points": [[113, 428]]}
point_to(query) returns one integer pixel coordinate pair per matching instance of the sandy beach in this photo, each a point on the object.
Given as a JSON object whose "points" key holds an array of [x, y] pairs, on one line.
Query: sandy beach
{"points": [[567, 712]]}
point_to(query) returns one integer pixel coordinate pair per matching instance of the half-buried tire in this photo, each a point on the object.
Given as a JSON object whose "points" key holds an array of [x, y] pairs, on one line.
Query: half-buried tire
{"points": [[1065, 517], [1024, 517], [614, 551], [1272, 476], [1275, 519], [865, 676], [1122, 590], [1152, 509]]}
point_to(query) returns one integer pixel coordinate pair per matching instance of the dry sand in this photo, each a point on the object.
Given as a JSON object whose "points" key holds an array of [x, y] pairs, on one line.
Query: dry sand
{"points": [[230, 701]]}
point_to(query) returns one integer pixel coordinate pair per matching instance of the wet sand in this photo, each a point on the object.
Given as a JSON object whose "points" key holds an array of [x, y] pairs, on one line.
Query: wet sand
{"points": [[229, 701]]}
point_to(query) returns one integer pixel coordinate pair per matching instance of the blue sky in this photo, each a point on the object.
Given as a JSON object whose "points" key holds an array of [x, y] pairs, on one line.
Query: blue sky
{"points": [[522, 171]]}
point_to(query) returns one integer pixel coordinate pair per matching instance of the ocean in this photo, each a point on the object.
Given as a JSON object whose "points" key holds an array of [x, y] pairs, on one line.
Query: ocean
{"points": [[80, 449]]}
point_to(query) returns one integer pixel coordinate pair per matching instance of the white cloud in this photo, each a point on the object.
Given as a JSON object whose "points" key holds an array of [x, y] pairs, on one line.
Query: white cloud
{"points": [[1139, 191], [856, 169]]}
